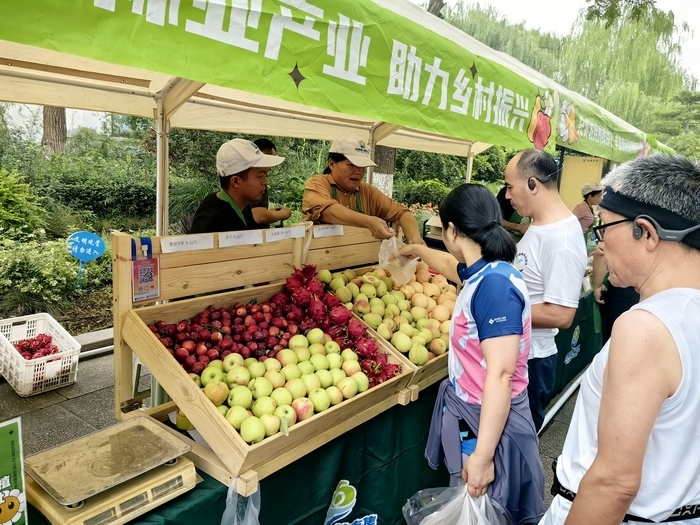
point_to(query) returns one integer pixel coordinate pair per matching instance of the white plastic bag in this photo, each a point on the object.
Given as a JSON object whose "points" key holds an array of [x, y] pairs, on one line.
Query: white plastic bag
{"points": [[402, 269], [462, 509], [239, 509]]}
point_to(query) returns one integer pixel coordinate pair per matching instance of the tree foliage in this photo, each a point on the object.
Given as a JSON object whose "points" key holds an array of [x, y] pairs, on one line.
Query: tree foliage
{"points": [[610, 11]]}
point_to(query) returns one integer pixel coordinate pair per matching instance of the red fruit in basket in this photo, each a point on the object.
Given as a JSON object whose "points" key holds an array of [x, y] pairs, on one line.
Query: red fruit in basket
{"points": [[171, 329], [225, 314], [226, 343], [225, 353], [292, 329], [315, 287], [254, 308], [287, 335], [201, 349], [302, 297], [245, 352], [179, 338], [271, 341], [204, 334], [340, 315], [247, 337], [331, 301], [252, 346], [356, 328], [239, 329], [181, 354], [249, 320], [284, 343], [236, 338], [267, 318], [153, 328], [252, 328], [259, 317], [262, 358], [171, 351], [265, 308], [194, 336], [226, 330], [215, 316], [203, 359], [216, 337], [280, 299], [188, 345], [188, 362], [213, 354], [241, 311], [160, 324], [26, 355], [203, 320], [198, 368], [277, 348], [183, 326], [166, 341], [271, 354], [216, 325], [263, 325]]}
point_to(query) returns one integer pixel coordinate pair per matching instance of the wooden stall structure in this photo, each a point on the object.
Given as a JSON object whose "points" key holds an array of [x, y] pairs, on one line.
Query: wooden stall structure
{"points": [[209, 269]]}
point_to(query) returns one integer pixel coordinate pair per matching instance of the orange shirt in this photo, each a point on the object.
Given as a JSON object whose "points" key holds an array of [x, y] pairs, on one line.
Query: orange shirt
{"points": [[318, 196]]}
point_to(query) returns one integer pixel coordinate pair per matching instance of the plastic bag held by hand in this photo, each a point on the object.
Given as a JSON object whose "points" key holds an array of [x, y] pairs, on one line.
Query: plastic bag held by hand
{"points": [[402, 269], [451, 506], [239, 509]]}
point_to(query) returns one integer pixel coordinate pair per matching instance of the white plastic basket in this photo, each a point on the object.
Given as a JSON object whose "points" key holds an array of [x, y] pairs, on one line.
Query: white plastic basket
{"points": [[34, 376]]}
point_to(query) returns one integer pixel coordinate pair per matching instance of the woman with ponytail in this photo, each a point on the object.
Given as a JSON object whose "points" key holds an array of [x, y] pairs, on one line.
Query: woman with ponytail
{"points": [[482, 422]]}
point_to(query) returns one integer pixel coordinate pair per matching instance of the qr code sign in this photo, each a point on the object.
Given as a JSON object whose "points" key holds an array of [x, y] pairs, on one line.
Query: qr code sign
{"points": [[146, 275]]}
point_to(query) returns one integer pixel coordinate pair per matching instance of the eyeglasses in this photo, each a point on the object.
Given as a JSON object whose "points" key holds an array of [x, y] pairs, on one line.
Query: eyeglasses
{"points": [[599, 231]]}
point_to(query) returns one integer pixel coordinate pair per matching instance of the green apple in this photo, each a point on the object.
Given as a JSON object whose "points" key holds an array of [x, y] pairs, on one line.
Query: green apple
{"points": [[332, 347], [362, 381], [256, 369], [272, 364], [418, 355], [324, 276], [317, 348], [311, 381], [303, 353], [334, 361], [343, 294], [336, 283], [350, 367], [260, 387], [287, 357], [223, 409], [195, 377], [325, 377], [288, 413], [252, 430], [306, 367], [238, 375], [249, 360], [217, 362], [231, 360], [337, 375], [276, 377], [217, 392], [348, 387], [291, 372], [272, 424], [320, 362], [348, 355], [282, 396], [236, 415], [240, 396], [211, 374], [298, 340], [315, 335], [264, 405], [320, 399], [335, 395], [354, 289], [296, 387]]}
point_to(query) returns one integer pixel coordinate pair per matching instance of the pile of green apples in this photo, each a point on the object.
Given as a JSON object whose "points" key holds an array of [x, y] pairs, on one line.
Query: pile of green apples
{"points": [[414, 317], [264, 396]]}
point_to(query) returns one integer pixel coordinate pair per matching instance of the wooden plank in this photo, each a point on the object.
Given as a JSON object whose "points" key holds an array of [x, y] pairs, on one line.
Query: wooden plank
{"points": [[351, 236], [231, 253], [205, 278], [344, 256], [122, 296], [223, 439]]}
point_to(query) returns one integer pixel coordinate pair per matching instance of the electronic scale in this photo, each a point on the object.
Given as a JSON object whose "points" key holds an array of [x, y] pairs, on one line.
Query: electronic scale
{"points": [[111, 476]]}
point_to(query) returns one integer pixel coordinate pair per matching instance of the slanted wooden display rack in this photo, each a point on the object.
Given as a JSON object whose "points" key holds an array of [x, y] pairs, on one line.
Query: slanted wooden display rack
{"points": [[189, 273]]}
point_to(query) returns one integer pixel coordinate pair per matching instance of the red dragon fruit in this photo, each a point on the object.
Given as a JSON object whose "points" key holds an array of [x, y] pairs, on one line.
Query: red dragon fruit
{"points": [[315, 287], [280, 299], [356, 329], [308, 271], [366, 348], [317, 310], [340, 315], [294, 282], [301, 297], [330, 300]]}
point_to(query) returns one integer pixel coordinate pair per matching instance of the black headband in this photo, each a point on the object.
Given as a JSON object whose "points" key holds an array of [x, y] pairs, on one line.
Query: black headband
{"points": [[667, 221]]}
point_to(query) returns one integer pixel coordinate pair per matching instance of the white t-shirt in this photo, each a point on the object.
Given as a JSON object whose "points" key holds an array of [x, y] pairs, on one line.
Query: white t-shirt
{"points": [[552, 259], [671, 468]]}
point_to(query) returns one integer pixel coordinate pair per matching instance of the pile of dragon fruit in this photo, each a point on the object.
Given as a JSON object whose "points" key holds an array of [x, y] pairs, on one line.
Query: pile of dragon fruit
{"points": [[36, 347], [262, 330]]}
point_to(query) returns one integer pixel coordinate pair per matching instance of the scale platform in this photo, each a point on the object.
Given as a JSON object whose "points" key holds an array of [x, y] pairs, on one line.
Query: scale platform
{"points": [[110, 476]]}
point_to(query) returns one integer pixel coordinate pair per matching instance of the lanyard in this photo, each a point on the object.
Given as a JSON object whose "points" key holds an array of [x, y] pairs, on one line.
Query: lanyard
{"points": [[227, 198], [334, 195]]}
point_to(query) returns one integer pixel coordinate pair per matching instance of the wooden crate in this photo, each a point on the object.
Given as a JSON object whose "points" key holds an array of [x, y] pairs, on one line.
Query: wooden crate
{"points": [[274, 452], [187, 274]]}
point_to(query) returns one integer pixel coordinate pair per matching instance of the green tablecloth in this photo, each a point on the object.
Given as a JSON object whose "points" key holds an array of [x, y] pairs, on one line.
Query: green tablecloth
{"points": [[383, 459], [578, 344]]}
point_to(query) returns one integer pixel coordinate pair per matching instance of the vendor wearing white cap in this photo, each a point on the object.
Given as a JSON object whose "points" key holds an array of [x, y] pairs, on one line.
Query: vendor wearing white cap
{"points": [[242, 169], [592, 192], [340, 197]]}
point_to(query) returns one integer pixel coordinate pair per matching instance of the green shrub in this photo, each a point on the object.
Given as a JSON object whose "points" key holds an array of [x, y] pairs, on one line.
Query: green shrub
{"points": [[20, 210], [423, 192], [35, 277]]}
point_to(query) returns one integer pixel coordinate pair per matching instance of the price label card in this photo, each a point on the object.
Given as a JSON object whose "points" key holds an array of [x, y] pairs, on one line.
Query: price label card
{"points": [[327, 230], [240, 238], [184, 243], [146, 280], [12, 488], [279, 234]]}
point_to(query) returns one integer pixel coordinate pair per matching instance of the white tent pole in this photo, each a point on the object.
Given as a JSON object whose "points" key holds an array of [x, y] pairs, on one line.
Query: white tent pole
{"points": [[470, 163]]}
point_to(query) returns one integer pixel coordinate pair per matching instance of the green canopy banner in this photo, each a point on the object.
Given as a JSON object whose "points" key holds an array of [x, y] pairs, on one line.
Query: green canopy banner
{"points": [[356, 58], [587, 128]]}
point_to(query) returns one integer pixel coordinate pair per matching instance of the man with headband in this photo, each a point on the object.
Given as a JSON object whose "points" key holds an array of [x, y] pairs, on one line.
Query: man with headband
{"points": [[630, 455], [552, 259]]}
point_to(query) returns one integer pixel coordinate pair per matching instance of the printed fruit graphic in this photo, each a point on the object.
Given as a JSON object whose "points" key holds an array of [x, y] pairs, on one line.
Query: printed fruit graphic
{"points": [[540, 127]]}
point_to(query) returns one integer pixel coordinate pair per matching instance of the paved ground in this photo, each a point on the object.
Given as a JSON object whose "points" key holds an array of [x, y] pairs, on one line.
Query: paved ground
{"points": [[68, 413]]}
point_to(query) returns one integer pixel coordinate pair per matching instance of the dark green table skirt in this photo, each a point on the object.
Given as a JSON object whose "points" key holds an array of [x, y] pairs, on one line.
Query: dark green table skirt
{"points": [[578, 344], [383, 459]]}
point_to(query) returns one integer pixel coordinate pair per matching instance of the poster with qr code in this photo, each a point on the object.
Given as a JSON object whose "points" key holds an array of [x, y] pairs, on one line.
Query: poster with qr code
{"points": [[146, 279]]}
